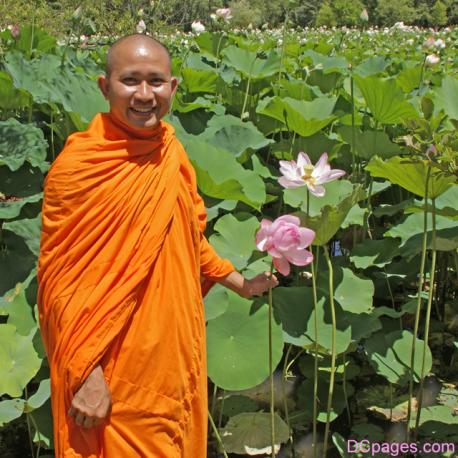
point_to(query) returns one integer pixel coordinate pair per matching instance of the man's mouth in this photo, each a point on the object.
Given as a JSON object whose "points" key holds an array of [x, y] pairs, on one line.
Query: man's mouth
{"points": [[143, 110]]}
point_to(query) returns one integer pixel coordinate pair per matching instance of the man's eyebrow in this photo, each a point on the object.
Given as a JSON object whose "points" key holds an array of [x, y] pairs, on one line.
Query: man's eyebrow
{"points": [[136, 73]]}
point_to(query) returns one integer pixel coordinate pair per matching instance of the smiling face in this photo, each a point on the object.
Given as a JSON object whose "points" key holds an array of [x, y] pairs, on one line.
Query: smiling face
{"points": [[139, 86]]}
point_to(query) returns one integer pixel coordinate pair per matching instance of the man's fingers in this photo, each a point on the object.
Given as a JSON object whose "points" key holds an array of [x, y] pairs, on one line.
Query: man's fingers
{"points": [[79, 418], [88, 422]]}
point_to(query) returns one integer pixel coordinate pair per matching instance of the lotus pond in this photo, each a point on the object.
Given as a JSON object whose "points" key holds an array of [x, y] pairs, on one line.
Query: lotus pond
{"points": [[361, 343]]}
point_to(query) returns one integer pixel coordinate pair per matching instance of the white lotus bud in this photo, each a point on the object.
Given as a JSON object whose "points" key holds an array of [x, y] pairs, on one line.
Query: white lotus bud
{"points": [[432, 59], [141, 26], [197, 27]]}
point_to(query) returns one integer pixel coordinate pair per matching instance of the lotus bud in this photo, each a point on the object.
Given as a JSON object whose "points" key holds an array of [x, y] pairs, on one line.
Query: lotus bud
{"points": [[141, 26], [364, 16]]}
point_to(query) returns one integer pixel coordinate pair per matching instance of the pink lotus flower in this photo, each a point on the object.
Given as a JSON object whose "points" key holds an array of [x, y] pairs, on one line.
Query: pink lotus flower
{"points": [[15, 30], [286, 242], [304, 173], [224, 13]]}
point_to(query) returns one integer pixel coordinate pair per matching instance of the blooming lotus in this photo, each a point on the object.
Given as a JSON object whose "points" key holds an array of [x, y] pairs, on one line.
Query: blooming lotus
{"points": [[197, 27], [224, 13], [304, 173], [286, 241], [432, 59], [141, 26]]}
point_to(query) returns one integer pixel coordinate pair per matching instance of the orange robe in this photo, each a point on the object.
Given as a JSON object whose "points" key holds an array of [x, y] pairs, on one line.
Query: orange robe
{"points": [[122, 252]]}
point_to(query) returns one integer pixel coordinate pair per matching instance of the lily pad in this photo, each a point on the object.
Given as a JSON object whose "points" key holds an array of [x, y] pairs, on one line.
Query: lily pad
{"points": [[20, 361], [21, 142], [234, 239], [389, 354], [237, 346], [250, 434]]}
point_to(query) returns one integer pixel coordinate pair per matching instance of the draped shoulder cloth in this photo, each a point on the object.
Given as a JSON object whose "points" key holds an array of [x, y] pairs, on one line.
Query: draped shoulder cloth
{"points": [[121, 257]]}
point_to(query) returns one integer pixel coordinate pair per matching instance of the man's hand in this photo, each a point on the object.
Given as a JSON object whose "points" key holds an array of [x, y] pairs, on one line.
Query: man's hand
{"points": [[92, 402], [256, 286]]}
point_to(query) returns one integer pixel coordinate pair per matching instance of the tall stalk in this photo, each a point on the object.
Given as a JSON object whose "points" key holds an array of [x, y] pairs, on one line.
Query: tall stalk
{"points": [[428, 316], [271, 377], [333, 349], [218, 437], [417, 313], [315, 352], [285, 403]]}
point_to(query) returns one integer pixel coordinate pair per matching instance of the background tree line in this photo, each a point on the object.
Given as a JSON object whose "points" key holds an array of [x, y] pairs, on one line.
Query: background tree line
{"points": [[121, 16]]}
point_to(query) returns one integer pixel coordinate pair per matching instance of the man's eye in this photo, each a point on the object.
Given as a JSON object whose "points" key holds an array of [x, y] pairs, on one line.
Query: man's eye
{"points": [[157, 82], [129, 81]]}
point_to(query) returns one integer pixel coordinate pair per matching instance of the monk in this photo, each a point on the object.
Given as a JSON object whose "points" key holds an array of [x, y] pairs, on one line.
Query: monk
{"points": [[122, 255]]}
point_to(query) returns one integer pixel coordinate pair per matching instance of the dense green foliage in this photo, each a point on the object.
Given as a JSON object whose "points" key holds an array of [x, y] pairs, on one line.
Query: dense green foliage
{"points": [[118, 17], [384, 279]]}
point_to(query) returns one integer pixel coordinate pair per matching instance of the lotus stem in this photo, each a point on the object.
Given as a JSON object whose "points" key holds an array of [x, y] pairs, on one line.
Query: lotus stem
{"points": [[353, 132], [29, 428], [417, 313], [38, 433], [315, 352], [285, 403], [246, 96], [271, 376], [428, 316], [221, 410], [347, 405], [333, 349], [218, 437]]}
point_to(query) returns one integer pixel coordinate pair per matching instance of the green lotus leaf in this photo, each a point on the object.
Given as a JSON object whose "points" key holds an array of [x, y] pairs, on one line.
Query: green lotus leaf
{"points": [[236, 404], [327, 64], [211, 43], [199, 80], [295, 88], [43, 419], [20, 143], [34, 38], [10, 97], [445, 204], [374, 252], [293, 307], [305, 399], [29, 230], [10, 409], [410, 231], [20, 361], [370, 143], [389, 354], [354, 294], [249, 64], [216, 302], [446, 98], [355, 216], [19, 311], [411, 175], [385, 100], [42, 394], [231, 134], [214, 205], [249, 433], [336, 192], [231, 182], [237, 346], [235, 239], [48, 82], [371, 66], [304, 118], [16, 261], [330, 219], [410, 77]]}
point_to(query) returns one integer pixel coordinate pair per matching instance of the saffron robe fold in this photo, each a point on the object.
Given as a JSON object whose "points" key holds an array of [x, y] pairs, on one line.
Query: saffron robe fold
{"points": [[121, 258]]}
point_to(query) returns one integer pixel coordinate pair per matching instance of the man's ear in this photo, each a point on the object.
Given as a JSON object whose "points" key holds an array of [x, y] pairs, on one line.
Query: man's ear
{"points": [[102, 81], [174, 84]]}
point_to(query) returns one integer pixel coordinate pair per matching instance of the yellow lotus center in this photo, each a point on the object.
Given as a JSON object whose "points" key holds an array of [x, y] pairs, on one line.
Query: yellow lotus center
{"points": [[308, 169]]}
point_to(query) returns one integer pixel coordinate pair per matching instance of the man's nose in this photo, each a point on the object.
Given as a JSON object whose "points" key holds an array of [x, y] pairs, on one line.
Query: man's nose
{"points": [[144, 91]]}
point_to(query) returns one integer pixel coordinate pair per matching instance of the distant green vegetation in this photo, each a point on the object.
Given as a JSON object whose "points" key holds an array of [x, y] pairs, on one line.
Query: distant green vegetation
{"points": [[117, 17]]}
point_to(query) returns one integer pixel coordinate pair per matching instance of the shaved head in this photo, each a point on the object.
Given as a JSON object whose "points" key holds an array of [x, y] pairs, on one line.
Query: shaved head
{"points": [[137, 41]]}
